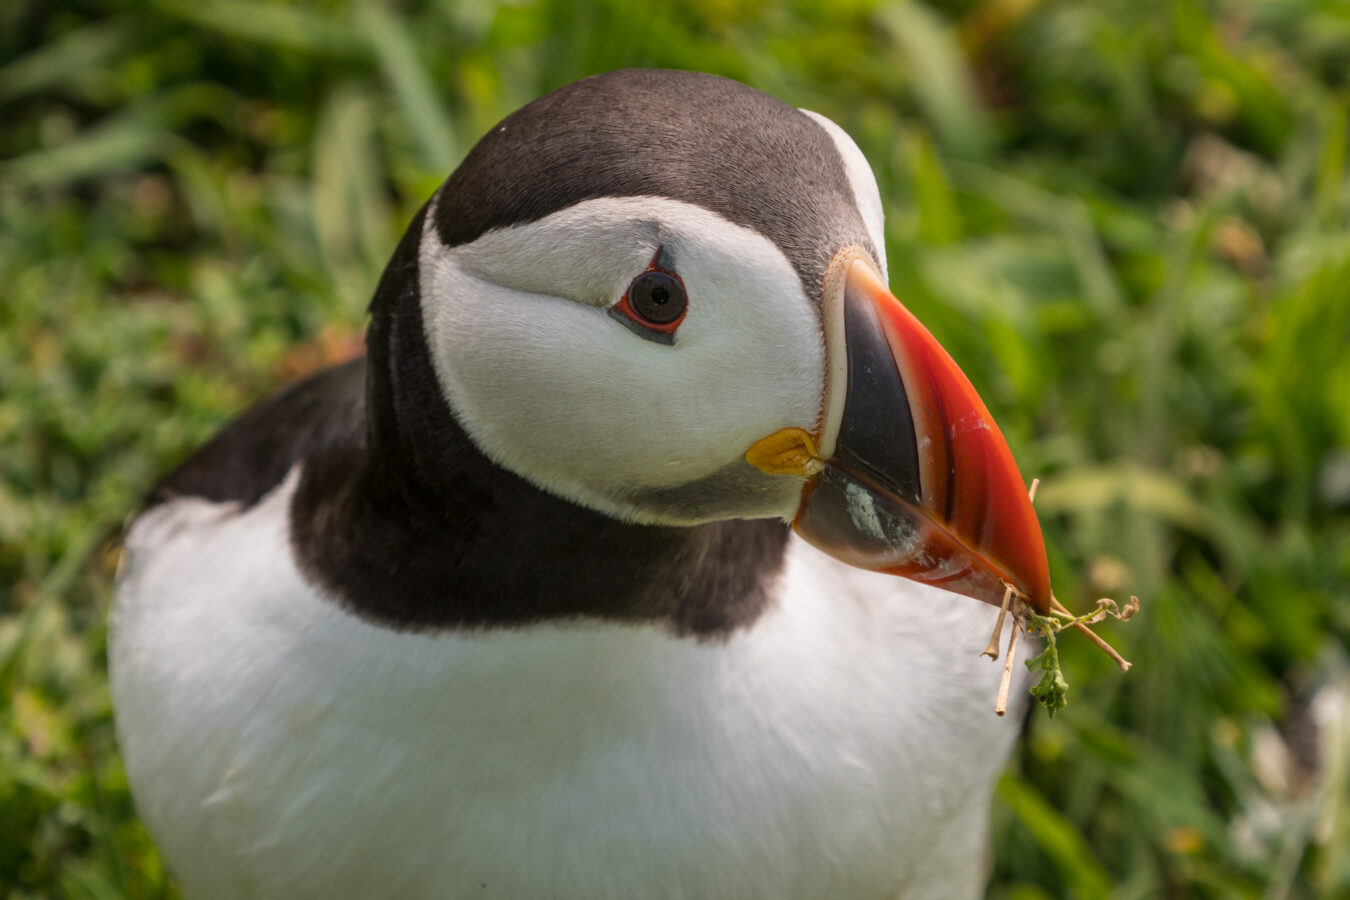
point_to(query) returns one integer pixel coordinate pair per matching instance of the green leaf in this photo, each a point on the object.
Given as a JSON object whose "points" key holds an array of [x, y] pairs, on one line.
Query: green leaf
{"points": [[1052, 690]]}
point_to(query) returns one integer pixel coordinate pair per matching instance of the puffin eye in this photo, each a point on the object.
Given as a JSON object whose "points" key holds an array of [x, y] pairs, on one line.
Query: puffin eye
{"points": [[657, 298], [654, 306]]}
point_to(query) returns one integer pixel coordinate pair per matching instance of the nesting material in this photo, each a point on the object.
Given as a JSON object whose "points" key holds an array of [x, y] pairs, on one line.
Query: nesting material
{"points": [[1052, 688]]}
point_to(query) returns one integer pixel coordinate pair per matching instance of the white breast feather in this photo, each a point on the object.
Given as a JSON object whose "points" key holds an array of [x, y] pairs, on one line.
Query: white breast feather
{"points": [[844, 746]]}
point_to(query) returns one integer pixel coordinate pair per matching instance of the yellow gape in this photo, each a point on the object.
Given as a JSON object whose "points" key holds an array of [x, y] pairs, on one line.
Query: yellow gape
{"points": [[791, 451]]}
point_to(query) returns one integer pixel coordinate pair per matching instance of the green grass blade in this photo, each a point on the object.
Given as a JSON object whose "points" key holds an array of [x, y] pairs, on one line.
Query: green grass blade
{"points": [[287, 27], [1058, 838], [939, 77], [63, 60], [413, 87]]}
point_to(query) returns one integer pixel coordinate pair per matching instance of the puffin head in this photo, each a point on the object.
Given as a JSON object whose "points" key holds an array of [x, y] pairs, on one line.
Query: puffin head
{"points": [[661, 295]]}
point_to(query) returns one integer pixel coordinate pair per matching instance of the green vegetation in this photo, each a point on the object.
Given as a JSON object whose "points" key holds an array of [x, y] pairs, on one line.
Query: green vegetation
{"points": [[1129, 222]]}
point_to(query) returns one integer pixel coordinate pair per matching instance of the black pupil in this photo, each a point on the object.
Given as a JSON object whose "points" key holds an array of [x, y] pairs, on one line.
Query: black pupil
{"points": [[657, 297]]}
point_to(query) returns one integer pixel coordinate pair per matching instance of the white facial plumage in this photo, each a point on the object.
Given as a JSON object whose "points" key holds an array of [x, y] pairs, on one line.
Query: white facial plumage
{"points": [[551, 387]]}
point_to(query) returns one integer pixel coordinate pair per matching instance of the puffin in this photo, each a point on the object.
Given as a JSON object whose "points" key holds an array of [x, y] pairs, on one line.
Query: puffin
{"points": [[647, 552]]}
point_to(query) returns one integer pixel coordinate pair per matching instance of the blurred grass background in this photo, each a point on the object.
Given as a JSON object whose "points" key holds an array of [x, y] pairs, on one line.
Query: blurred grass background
{"points": [[1129, 222]]}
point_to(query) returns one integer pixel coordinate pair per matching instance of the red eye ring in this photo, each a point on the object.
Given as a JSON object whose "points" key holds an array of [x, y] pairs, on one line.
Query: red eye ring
{"points": [[655, 303]]}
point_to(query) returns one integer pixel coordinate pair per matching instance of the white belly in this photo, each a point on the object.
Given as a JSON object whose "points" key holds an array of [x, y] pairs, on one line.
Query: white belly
{"points": [[277, 746]]}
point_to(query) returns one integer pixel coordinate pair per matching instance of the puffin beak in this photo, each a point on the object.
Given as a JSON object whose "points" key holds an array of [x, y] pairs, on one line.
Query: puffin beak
{"points": [[910, 475]]}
